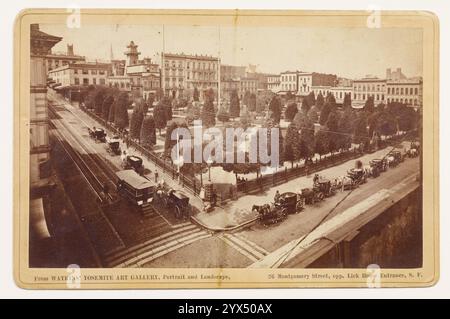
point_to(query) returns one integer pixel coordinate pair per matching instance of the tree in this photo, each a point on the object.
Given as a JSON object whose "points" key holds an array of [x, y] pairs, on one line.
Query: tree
{"points": [[347, 100], [112, 110], [148, 132], [252, 103], [235, 107], [289, 96], [136, 122], [331, 100], [121, 111], [332, 125], [98, 100], [246, 98], [275, 109], [320, 101], [171, 126], [223, 116], [196, 95], [106, 106], [168, 111], [369, 106], [262, 100], [311, 99], [290, 111], [193, 111], [345, 128], [307, 142], [160, 115], [208, 112], [305, 105], [245, 121], [326, 110], [360, 134], [292, 144], [313, 114], [322, 141]]}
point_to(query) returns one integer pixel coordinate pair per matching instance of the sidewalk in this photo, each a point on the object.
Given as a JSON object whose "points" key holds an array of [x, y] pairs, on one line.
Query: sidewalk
{"points": [[237, 214]]}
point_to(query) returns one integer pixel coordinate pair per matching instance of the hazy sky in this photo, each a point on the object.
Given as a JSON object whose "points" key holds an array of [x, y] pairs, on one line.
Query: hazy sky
{"points": [[347, 52]]}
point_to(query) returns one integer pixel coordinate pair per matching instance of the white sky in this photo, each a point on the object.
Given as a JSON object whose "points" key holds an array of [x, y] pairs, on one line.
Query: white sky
{"points": [[347, 52]]}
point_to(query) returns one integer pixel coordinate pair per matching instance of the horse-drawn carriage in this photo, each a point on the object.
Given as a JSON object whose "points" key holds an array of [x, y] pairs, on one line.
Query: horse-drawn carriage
{"points": [[113, 145], [379, 164], [322, 188], [414, 149], [270, 214], [98, 134], [133, 162], [357, 176], [174, 201]]}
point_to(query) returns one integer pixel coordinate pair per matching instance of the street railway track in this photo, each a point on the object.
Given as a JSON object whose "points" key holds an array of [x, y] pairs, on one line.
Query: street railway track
{"points": [[95, 170]]}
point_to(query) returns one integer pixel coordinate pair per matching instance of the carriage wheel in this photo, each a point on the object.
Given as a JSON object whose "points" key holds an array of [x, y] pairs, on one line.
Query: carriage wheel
{"points": [[177, 212], [299, 206], [321, 196]]}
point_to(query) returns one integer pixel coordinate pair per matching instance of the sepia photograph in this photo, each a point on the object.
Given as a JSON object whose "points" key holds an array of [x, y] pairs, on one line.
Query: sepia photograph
{"points": [[166, 143]]}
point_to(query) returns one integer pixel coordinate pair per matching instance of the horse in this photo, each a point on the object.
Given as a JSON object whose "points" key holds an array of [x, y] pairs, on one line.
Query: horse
{"points": [[413, 152], [391, 162]]}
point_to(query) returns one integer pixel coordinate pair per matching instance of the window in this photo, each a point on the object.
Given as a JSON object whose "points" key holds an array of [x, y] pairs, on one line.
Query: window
{"points": [[75, 71], [416, 91], [85, 81], [102, 72], [77, 81], [102, 81], [94, 72], [85, 71], [401, 91], [94, 81]]}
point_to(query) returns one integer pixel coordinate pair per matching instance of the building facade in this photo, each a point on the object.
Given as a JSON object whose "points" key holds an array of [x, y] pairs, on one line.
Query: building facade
{"points": [[368, 86], [273, 83], [307, 80], [183, 73], [40, 47], [406, 91], [231, 72], [80, 73], [288, 82], [55, 60]]}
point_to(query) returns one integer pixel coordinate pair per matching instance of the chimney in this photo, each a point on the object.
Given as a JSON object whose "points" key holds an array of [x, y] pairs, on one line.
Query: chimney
{"points": [[70, 49], [388, 74]]}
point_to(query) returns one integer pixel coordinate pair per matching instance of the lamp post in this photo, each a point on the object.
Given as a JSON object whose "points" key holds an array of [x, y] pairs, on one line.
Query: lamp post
{"points": [[209, 162]]}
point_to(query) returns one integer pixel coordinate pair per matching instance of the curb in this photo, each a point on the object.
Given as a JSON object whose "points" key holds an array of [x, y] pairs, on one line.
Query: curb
{"points": [[221, 229]]}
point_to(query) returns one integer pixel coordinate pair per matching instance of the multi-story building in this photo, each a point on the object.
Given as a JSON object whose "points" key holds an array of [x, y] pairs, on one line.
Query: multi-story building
{"points": [[182, 73], [121, 82], [40, 47], [248, 85], [368, 86], [228, 86], [80, 73], [407, 91], [307, 80], [395, 75], [273, 83], [57, 59], [288, 82], [145, 78]]}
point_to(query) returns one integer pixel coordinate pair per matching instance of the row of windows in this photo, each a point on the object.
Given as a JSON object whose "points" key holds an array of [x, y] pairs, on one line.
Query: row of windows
{"points": [[288, 87], [86, 71], [87, 82], [121, 85], [403, 91], [369, 87], [414, 102], [290, 78], [194, 65], [377, 97]]}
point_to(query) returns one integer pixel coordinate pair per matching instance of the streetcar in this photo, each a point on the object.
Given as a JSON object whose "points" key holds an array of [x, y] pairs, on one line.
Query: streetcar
{"points": [[135, 188]]}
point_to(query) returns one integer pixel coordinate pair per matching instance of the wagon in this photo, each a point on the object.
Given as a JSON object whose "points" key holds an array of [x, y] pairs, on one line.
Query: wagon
{"points": [[380, 164], [269, 214]]}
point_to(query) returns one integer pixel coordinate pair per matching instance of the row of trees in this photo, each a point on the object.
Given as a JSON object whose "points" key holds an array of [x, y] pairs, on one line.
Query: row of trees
{"points": [[112, 105]]}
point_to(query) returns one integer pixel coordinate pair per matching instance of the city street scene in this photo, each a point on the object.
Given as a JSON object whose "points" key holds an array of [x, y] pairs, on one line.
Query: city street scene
{"points": [[193, 146]]}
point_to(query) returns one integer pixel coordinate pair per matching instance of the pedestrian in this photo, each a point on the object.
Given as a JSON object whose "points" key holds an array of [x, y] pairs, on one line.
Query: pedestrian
{"points": [[156, 176], [277, 196]]}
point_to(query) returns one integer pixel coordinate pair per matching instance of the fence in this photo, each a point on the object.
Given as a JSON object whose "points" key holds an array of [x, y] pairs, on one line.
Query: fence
{"points": [[193, 185]]}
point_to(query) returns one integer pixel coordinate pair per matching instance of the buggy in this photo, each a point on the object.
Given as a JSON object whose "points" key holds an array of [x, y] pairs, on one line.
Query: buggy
{"points": [[270, 214], [179, 203], [133, 162], [357, 175], [113, 146], [291, 202], [98, 134], [380, 164]]}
